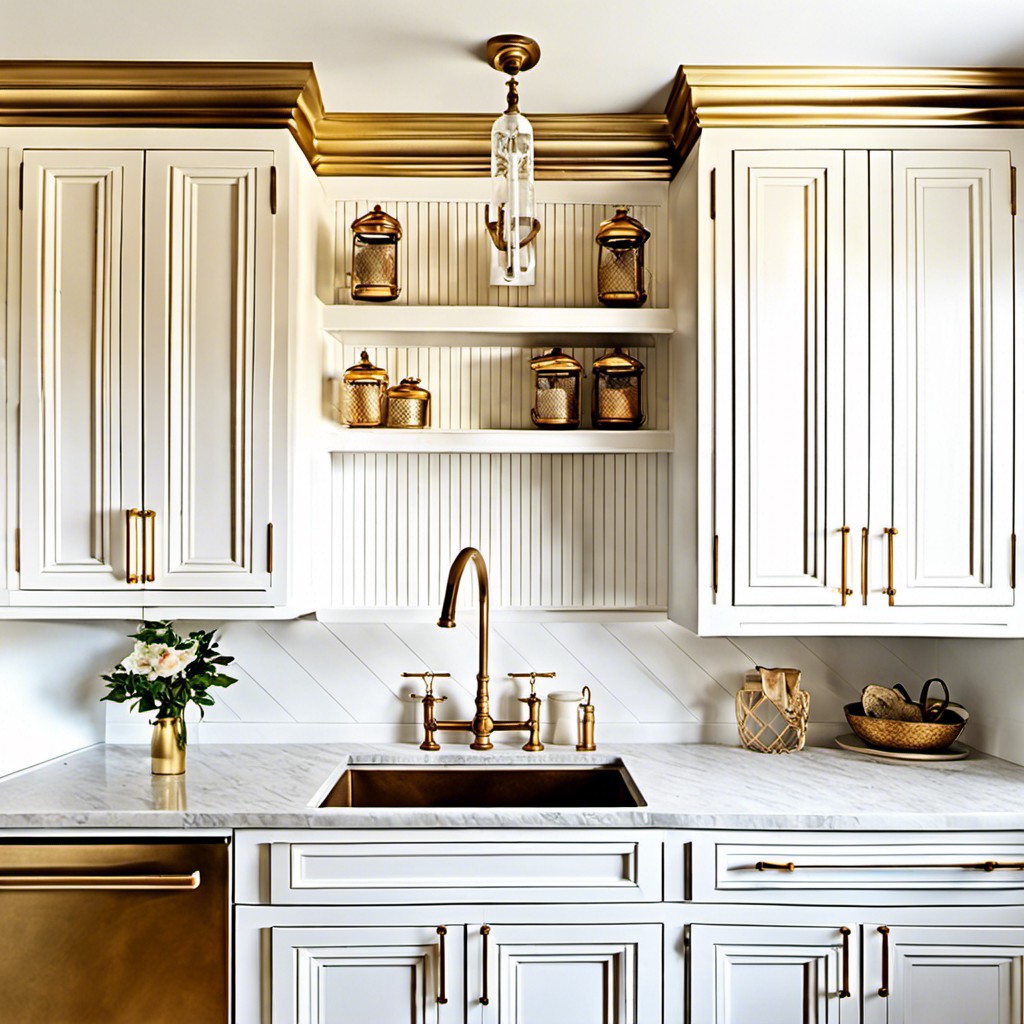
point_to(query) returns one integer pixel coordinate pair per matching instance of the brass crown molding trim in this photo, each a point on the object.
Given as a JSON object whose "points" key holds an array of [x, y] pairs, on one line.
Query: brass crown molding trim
{"points": [[614, 146], [718, 96]]}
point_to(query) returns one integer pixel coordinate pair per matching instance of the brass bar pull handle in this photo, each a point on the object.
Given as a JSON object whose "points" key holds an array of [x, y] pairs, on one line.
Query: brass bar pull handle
{"points": [[994, 865], [844, 588], [485, 932], [864, 565], [844, 992], [131, 557], [149, 545], [890, 591], [101, 882], [767, 865], [884, 990], [442, 991]]}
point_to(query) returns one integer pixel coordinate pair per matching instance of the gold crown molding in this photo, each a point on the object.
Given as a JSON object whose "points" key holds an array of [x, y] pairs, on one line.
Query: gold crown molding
{"points": [[828, 97], [442, 145]]}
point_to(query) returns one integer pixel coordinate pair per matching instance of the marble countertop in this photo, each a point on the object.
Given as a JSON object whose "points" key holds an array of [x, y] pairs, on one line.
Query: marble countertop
{"points": [[685, 786]]}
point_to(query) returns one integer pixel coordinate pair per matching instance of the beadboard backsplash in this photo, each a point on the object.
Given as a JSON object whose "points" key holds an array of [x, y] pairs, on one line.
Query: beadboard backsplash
{"points": [[444, 256]]}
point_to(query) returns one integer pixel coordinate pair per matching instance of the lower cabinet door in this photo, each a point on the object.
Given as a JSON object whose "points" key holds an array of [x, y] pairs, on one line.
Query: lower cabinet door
{"points": [[943, 975], [784, 975], [565, 974], [368, 975]]}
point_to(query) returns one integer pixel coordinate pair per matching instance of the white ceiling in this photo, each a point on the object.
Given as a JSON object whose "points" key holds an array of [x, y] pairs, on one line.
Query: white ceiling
{"points": [[598, 55]]}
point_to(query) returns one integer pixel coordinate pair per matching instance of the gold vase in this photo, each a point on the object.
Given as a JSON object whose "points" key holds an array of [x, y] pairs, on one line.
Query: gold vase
{"points": [[167, 756]]}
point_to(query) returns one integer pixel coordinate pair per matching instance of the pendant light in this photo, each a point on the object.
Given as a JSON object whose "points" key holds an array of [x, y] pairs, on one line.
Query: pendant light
{"points": [[510, 216]]}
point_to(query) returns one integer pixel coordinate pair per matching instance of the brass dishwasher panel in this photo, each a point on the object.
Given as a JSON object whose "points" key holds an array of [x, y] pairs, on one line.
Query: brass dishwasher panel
{"points": [[114, 933], [505, 786]]}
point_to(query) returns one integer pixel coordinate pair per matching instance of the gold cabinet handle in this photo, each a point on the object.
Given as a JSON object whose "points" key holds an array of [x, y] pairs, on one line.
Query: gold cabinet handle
{"points": [[994, 865], [767, 865], [485, 932], [844, 992], [442, 991], [884, 932], [864, 565], [890, 591], [132, 521], [844, 589], [102, 882], [149, 545]]}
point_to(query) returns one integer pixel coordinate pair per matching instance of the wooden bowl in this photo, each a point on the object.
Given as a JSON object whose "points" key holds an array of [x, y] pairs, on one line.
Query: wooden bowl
{"points": [[923, 737]]}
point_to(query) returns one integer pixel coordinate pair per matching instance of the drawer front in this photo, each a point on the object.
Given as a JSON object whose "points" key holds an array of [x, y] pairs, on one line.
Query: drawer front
{"points": [[865, 868], [367, 868]]}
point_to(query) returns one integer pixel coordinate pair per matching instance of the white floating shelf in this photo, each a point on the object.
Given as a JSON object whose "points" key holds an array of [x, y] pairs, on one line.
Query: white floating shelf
{"points": [[556, 442], [496, 319]]}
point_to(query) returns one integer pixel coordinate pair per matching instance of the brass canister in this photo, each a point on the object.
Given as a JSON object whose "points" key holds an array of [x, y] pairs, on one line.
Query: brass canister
{"points": [[364, 393], [408, 404], [617, 396], [375, 238], [556, 390], [620, 261]]}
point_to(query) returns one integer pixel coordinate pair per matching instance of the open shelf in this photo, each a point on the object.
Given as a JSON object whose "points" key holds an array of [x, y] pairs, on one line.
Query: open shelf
{"points": [[558, 442], [496, 319]]}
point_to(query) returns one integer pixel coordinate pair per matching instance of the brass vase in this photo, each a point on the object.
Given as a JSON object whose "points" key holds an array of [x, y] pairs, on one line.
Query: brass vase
{"points": [[166, 753]]}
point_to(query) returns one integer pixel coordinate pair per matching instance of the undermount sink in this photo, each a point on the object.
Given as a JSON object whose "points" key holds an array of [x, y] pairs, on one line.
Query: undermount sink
{"points": [[483, 786]]}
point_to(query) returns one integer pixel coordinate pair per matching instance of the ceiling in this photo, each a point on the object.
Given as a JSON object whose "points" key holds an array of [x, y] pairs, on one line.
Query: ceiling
{"points": [[598, 55]]}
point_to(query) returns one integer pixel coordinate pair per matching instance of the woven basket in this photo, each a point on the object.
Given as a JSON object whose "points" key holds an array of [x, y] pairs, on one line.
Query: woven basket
{"points": [[763, 727], [923, 737]]}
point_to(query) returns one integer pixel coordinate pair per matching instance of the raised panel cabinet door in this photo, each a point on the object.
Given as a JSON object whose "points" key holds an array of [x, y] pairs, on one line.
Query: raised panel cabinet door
{"points": [[355, 975], [81, 362], [209, 350], [788, 372], [552, 974], [786, 975], [943, 975], [953, 367]]}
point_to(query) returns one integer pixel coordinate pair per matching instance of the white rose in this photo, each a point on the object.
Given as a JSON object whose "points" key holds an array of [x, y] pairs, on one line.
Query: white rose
{"points": [[170, 662]]}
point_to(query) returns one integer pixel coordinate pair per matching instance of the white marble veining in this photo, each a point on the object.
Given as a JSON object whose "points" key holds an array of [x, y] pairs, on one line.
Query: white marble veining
{"points": [[685, 786]]}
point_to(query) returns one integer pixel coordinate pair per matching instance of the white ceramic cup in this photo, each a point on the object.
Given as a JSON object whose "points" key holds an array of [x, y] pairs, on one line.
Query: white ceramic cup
{"points": [[563, 714]]}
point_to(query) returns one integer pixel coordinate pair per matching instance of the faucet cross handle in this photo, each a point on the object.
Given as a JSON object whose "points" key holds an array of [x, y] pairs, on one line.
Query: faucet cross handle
{"points": [[533, 677], [428, 681]]}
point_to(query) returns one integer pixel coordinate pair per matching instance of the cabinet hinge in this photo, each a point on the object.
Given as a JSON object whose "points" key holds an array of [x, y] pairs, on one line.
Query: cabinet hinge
{"points": [[714, 565], [1013, 191], [270, 547], [17, 549], [712, 193], [1013, 561], [273, 189], [21, 186]]}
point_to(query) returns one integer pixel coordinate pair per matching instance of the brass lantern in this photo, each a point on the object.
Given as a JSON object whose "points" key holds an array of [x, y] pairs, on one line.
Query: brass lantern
{"points": [[617, 398], [408, 404], [620, 261], [375, 238], [556, 390], [363, 393]]}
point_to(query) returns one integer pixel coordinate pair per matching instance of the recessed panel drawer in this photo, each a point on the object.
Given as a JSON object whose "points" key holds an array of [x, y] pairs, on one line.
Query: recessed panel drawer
{"points": [[534, 867], [864, 868]]}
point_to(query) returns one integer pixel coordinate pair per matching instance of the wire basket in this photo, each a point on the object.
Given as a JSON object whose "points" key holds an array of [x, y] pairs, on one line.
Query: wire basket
{"points": [[766, 727]]}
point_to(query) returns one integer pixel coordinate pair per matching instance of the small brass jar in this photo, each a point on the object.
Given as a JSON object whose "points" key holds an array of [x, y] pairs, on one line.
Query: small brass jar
{"points": [[375, 238], [408, 404], [364, 393], [556, 390], [620, 261], [617, 401]]}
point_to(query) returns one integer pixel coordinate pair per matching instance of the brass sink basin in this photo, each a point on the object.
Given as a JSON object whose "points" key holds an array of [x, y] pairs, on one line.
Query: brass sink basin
{"points": [[483, 786]]}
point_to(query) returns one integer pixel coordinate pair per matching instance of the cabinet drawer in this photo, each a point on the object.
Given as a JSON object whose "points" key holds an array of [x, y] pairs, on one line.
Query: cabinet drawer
{"points": [[368, 868], [866, 868]]}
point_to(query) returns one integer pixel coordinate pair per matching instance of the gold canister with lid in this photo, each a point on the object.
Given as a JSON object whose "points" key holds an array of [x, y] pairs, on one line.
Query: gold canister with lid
{"points": [[556, 390], [617, 397], [408, 404], [375, 238], [620, 261], [364, 393]]}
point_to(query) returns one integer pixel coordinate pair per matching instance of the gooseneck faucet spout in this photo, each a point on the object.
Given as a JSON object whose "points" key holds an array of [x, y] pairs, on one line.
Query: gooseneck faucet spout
{"points": [[483, 724]]}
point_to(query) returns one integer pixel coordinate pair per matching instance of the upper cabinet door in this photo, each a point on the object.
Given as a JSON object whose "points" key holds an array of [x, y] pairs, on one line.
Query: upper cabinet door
{"points": [[953, 368], [788, 373], [209, 349], [81, 388]]}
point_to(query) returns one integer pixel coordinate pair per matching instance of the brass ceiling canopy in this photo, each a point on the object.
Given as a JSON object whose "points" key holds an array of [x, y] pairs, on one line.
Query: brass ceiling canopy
{"points": [[511, 54]]}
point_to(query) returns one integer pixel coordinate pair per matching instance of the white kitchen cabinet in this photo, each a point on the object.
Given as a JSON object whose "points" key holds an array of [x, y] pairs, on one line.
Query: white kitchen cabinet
{"points": [[857, 332], [743, 974], [943, 975], [147, 442]]}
